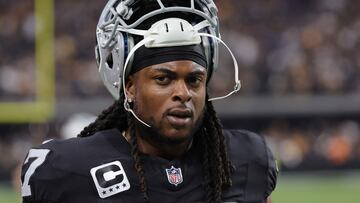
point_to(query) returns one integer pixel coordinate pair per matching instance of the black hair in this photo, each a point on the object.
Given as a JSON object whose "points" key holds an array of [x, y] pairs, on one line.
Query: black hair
{"points": [[209, 138]]}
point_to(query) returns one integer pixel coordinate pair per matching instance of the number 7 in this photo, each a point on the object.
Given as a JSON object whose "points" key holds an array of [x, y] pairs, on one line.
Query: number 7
{"points": [[40, 155]]}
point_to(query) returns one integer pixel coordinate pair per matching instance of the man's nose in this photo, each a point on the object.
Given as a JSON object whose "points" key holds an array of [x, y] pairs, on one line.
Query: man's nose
{"points": [[181, 92]]}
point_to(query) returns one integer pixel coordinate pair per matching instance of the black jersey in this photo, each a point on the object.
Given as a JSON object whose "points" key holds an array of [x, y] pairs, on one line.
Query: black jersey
{"points": [[100, 169]]}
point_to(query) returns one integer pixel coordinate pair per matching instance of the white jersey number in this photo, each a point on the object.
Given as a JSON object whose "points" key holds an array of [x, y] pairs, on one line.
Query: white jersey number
{"points": [[39, 155]]}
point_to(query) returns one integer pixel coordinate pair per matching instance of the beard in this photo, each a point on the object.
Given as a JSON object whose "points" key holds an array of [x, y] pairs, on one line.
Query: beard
{"points": [[154, 133]]}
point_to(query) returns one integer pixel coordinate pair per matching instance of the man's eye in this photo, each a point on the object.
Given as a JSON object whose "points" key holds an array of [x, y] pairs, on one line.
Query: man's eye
{"points": [[195, 80], [162, 79]]}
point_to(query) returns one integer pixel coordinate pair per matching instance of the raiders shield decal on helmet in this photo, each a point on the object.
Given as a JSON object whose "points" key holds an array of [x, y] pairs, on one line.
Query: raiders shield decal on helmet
{"points": [[174, 175], [110, 179]]}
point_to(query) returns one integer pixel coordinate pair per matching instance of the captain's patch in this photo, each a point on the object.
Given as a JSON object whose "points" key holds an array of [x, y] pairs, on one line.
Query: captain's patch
{"points": [[110, 179]]}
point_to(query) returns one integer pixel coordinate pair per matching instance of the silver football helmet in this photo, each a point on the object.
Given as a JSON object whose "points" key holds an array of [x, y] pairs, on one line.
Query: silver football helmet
{"points": [[126, 25], [121, 20]]}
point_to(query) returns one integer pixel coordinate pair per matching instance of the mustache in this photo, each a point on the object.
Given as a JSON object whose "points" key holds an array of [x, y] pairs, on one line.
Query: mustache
{"points": [[181, 111]]}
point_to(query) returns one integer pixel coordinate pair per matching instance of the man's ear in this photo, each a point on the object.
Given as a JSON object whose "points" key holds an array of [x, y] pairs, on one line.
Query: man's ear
{"points": [[130, 87]]}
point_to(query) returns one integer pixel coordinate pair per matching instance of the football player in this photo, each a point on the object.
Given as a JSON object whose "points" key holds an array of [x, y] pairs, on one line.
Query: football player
{"points": [[161, 140]]}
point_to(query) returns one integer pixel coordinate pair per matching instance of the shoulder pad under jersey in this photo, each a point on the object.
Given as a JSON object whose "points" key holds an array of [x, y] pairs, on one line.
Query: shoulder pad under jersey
{"points": [[254, 164]]}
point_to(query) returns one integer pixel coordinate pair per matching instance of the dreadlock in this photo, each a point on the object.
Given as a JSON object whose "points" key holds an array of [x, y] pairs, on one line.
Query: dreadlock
{"points": [[215, 159], [138, 163], [114, 116], [209, 138]]}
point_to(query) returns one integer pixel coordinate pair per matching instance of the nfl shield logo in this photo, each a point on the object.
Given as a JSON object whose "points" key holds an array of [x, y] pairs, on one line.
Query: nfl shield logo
{"points": [[174, 175]]}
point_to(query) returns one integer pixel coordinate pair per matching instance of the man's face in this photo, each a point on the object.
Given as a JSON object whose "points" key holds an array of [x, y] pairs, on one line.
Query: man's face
{"points": [[170, 97]]}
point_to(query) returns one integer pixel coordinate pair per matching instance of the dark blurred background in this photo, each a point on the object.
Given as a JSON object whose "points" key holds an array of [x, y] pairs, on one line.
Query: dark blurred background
{"points": [[299, 66]]}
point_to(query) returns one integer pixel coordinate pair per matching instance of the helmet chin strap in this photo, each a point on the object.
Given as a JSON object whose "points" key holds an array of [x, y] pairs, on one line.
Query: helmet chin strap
{"points": [[237, 86], [126, 103], [152, 40]]}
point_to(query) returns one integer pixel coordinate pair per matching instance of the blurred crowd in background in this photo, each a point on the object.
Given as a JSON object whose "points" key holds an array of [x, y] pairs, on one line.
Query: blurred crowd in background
{"points": [[284, 47], [318, 144], [294, 46]]}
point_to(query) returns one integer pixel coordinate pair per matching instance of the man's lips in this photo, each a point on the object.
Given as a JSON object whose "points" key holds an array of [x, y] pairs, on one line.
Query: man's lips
{"points": [[179, 117], [182, 113]]}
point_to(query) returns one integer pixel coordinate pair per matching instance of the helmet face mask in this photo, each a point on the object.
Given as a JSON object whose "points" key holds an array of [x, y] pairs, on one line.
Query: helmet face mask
{"points": [[124, 22]]}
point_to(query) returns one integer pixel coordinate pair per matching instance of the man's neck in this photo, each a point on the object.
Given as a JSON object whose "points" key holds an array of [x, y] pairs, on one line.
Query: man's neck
{"points": [[167, 151], [163, 150]]}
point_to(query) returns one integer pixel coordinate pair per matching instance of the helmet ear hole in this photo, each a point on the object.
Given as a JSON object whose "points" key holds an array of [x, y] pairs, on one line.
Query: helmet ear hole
{"points": [[110, 61]]}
